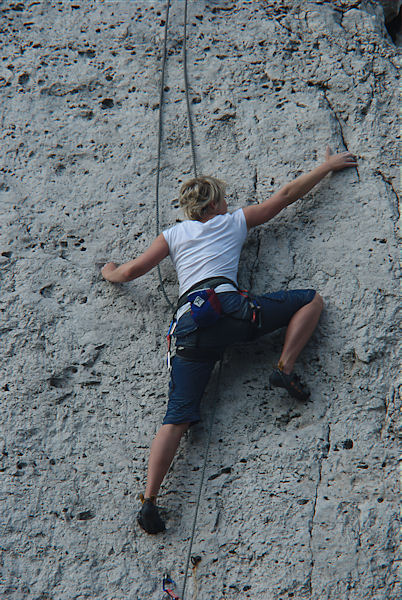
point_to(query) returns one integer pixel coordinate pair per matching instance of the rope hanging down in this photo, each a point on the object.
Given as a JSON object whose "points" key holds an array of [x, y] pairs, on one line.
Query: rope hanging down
{"points": [[186, 87], [191, 131], [215, 396], [160, 124], [160, 130]]}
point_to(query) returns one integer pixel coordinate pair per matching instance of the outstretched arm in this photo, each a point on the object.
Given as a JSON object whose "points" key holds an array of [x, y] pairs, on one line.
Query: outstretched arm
{"points": [[289, 193], [156, 252]]}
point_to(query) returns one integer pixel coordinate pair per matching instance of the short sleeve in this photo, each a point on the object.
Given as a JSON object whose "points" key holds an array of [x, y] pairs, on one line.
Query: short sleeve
{"points": [[240, 221], [168, 235]]}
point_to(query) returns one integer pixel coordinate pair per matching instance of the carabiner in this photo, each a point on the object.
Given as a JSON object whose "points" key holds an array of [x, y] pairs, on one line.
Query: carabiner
{"points": [[172, 327]]}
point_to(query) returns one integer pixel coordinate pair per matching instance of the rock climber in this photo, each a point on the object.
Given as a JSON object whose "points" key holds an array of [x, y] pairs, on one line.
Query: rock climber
{"points": [[212, 311]]}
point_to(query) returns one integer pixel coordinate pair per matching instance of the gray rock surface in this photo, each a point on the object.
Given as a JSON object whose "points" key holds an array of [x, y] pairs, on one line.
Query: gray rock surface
{"points": [[391, 8], [301, 501]]}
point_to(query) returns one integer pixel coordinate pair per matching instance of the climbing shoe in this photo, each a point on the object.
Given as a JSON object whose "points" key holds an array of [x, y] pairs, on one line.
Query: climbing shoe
{"points": [[148, 518], [291, 383]]}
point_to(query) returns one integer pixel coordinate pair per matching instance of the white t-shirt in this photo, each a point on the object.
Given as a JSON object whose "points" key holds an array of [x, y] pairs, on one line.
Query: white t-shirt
{"points": [[203, 250]]}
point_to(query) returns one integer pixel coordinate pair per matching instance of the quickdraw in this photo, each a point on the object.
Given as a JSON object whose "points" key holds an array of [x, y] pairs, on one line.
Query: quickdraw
{"points": [[256, 315], [172, 327], [167, 580], [255, 308]]}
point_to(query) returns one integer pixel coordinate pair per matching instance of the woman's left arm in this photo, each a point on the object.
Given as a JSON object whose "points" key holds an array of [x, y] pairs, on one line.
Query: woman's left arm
{"points": [[257, 214], [132, 269]]}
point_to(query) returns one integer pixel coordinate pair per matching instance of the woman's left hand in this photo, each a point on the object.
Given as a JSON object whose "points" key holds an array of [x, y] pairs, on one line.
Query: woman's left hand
{"points": [[337, 162]]}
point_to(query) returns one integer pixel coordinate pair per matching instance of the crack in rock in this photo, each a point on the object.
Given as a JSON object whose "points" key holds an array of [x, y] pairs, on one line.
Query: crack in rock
{"points": [[389, 183], [324, 455], [337, 119]]}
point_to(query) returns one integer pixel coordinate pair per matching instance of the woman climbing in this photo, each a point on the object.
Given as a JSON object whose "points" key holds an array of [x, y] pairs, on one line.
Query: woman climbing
{"points": [[212, 312]]}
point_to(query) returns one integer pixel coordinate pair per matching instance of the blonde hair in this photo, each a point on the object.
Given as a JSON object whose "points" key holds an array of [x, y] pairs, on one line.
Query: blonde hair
{"points": [[197, 194]]}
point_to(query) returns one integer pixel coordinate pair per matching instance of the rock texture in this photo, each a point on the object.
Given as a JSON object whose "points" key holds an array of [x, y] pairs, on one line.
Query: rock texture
{"points": [[391, 8], [301, 501]]}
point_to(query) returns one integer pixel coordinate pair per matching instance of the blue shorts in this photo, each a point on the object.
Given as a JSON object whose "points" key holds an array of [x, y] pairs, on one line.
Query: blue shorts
{"points": [[189, 377]]}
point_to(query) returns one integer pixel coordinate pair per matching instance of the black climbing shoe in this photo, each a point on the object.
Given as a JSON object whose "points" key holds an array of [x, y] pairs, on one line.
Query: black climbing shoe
{"points": [[149, 518], [291, 383]]}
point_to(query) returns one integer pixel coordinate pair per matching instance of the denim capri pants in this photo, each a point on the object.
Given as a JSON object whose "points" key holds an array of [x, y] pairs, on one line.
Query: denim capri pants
{"points": [[189, 377]]}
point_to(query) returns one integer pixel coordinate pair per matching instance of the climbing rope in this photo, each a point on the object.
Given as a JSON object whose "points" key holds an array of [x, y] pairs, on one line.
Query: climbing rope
{"points": [[160, 124], [191, 131], [211, 423], [160, 131], [186, 87]]}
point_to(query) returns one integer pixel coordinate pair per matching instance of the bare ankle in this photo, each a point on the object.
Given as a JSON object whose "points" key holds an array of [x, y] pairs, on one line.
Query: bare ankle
{"points": [[145, 497], [285, 367]]}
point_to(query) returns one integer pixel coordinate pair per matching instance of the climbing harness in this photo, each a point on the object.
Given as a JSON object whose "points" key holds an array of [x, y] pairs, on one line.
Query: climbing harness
{"points": [[219, 284], [202, 301]]}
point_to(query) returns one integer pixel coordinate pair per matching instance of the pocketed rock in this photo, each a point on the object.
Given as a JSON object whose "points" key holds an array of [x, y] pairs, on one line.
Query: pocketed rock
{"points": [[300, 500]]}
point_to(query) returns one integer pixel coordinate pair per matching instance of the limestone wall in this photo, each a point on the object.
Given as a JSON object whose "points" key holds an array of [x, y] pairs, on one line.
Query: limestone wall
{"points": [[301, 501]]}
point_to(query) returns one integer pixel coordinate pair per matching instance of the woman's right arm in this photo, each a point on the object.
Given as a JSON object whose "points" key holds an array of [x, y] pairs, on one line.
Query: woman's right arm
{"points": [[156, 252]]}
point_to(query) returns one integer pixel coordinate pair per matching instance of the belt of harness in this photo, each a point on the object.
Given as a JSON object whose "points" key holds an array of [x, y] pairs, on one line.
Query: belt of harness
{"points": [[206, 310], [210, 283]]}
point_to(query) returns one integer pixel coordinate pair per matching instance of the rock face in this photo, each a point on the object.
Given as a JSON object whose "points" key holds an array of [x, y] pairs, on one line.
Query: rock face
{"points": [[301, 501], [391, 8]]}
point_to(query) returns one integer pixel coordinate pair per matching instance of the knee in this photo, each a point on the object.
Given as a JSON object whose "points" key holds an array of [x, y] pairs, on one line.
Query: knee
{"points": [[181, 427], [318, 301], [173, 431]]}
